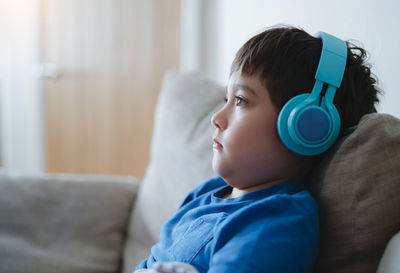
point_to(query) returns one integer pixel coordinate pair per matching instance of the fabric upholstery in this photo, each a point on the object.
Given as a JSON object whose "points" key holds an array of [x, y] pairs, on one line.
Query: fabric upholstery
{"points": [[357, 187], [63, 223], [181, 154]]}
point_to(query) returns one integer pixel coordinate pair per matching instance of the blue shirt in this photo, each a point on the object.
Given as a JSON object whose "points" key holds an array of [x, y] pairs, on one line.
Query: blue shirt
{"points": [[270, 230]]}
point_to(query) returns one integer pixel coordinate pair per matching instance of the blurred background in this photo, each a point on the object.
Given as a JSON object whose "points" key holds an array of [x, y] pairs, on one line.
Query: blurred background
{"points": [[79, 79]]}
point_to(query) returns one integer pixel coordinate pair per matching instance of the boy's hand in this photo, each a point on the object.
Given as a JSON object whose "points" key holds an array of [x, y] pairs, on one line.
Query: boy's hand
{"points": [[174, 267]]}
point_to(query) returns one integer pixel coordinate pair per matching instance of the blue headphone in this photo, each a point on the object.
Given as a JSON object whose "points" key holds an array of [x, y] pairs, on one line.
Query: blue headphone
{"points": [[309, 124]]}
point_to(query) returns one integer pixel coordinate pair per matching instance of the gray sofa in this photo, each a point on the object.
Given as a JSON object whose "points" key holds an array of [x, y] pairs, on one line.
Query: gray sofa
{"points": [[81, 224]]}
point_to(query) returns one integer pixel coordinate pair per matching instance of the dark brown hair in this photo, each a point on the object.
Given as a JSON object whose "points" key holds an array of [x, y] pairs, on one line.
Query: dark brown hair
{"points": [[286, 59]]}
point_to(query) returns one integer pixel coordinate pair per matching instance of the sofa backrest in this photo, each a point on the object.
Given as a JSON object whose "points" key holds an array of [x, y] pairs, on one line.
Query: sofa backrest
{"points": [[63, 222]]}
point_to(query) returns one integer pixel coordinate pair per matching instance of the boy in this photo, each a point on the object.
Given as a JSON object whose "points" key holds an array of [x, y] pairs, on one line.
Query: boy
{"points": [[257, 215]]}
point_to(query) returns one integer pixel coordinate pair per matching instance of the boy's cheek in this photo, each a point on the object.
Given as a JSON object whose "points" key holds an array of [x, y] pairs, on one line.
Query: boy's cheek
{"points": [[218, 165]]}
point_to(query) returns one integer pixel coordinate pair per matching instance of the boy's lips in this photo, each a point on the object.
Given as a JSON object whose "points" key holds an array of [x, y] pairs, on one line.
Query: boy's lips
{"points": [[217, 145]]}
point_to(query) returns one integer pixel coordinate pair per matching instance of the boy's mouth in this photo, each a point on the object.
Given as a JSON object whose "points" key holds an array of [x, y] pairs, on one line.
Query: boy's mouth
{"points": [[217, 145]]}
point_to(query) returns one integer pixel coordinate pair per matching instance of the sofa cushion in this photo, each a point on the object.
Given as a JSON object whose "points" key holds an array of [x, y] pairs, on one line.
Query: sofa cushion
{"points": [[357, 187], [63, 223], [181, 154]]}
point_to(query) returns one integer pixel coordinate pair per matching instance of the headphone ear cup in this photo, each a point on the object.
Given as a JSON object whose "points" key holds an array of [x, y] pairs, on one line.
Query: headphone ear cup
{"points": [[306, 128], [283, 121]]}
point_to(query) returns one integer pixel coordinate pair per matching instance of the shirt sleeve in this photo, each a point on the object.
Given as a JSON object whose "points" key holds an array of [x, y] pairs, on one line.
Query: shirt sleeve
{"points": [[279, 236]]}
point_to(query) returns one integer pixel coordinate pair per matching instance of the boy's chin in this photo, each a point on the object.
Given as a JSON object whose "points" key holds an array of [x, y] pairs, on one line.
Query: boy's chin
{"points": [[220, 170]]}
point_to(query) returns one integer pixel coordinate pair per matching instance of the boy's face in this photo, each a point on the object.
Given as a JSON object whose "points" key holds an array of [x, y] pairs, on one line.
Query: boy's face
{"points": [[247, 149]]}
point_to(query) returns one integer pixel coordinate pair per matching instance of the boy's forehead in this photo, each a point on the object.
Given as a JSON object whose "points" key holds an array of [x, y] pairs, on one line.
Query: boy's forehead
{"points": [[251, 83], [243, 87]]}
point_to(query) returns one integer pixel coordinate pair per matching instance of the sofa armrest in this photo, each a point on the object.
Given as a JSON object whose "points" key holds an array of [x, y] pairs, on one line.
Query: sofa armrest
{"points": [[63, 223]]}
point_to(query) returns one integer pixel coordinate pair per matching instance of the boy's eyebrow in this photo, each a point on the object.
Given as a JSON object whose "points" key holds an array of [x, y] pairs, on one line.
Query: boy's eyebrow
{"points": [[245, 87]]}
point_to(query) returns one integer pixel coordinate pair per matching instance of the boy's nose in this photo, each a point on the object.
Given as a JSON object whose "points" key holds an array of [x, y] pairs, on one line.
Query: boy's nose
{"points": [[218, 121]]}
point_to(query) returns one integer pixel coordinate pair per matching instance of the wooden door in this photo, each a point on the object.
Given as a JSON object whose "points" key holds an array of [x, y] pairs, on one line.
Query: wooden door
{"points": [[111, 55]]}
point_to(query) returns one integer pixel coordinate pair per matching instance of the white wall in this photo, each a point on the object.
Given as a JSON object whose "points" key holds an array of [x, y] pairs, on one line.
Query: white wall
{"points": [[200, 36], [21, 123], [376, 24]]}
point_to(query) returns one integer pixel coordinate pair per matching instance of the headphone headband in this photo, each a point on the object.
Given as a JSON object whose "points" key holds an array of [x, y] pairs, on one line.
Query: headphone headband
{"points": [[332, 61]]}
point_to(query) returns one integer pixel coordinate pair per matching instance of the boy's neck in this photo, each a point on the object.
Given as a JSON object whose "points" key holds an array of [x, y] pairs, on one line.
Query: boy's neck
{"points": [[236, 192]]}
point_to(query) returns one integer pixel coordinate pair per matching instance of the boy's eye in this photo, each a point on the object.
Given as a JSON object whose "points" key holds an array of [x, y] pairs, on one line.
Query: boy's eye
{"points": [[239, 101]]}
